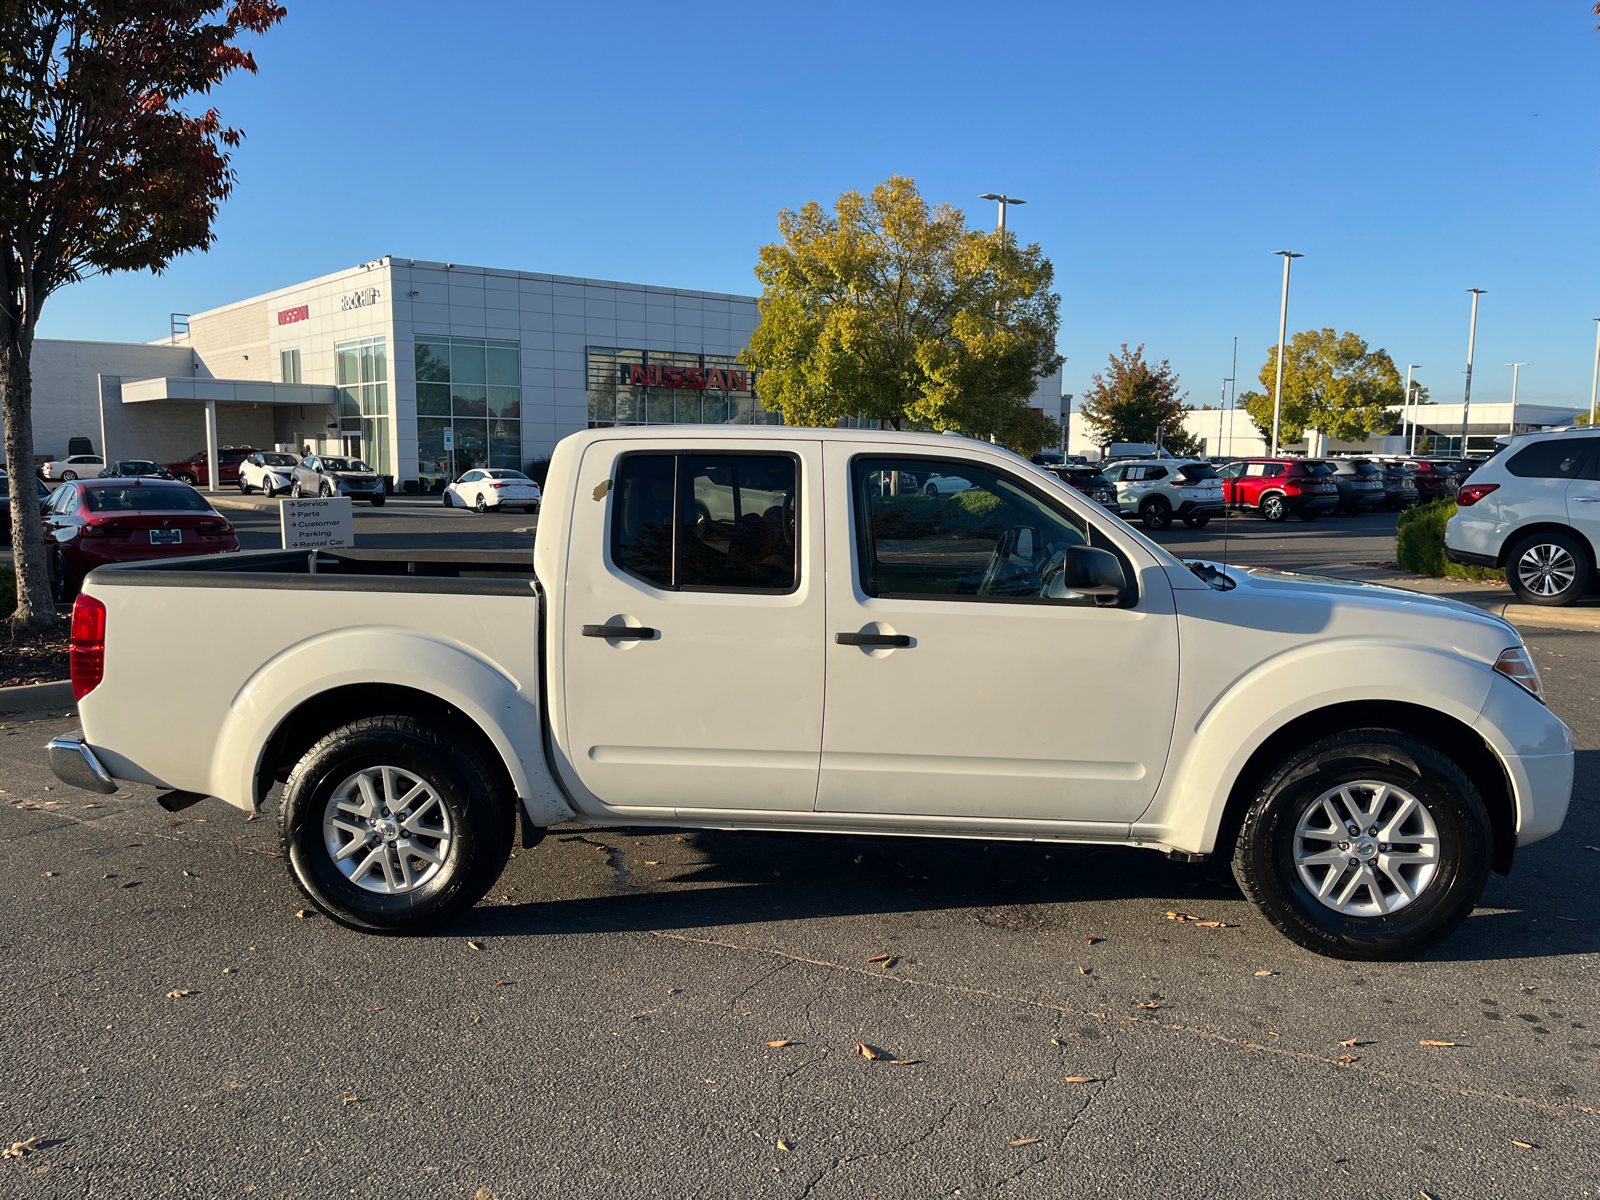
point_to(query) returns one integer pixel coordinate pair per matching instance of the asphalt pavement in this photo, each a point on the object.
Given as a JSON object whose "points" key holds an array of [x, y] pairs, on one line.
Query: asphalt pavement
{"points": [[670, 1014]]}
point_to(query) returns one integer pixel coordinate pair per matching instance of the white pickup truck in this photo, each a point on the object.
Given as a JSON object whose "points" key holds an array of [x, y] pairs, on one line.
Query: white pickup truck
{"points": [[772, 628]]}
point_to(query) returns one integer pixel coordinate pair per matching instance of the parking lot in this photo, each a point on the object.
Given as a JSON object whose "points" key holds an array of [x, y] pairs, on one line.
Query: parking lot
{"points": [[658, 1013]]}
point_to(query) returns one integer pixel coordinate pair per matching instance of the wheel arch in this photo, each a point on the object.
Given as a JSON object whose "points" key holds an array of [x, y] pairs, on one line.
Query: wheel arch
{"points": [[1535, 529], [1450, 736]]}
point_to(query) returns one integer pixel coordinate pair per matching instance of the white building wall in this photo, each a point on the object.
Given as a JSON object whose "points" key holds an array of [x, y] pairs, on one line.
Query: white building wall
{"points": [[66, 385]]}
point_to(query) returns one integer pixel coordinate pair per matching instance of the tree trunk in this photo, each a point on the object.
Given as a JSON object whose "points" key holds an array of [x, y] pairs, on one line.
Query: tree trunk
{"points": [[35, 606]]}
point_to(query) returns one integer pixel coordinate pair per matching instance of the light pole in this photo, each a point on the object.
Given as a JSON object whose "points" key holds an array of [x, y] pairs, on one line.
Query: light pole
{"points": [[1283, 330], [1004, 200], [1407, 414], [1516, 368], [1066, 422], [1594, 388], [1472, 339]]}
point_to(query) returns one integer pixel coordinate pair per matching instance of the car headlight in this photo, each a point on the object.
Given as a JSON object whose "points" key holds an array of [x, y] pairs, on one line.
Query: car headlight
{"points": [[1515, 664]]}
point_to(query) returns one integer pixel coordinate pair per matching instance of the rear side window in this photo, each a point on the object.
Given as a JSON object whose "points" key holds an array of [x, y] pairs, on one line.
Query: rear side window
{"points": [[1553, 458], [145, 499], [702, 522]]}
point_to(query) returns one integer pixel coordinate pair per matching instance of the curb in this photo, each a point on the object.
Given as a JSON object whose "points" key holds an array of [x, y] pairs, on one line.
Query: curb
{"points": [[38, 697], [1585, 620]]}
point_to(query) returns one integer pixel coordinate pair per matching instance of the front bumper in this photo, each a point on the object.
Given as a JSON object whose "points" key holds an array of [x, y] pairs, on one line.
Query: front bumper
{"points": [[74, 763]]}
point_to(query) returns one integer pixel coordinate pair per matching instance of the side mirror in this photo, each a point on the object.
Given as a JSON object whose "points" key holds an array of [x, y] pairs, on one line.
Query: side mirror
{"points": [[1088, 572]]}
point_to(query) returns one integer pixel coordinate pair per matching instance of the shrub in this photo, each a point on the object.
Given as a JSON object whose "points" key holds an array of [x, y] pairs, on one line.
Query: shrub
{"points": [[1419, 544]]}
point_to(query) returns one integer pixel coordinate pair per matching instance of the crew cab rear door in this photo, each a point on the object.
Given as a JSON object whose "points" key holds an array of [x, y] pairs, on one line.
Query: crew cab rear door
{"points": [[955, 689], [715, 547]]}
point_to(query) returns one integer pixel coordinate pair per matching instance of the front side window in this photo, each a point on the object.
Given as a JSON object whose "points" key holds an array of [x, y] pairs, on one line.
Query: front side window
{"points": [[718, 522], [995, 540], [1554, 458]]}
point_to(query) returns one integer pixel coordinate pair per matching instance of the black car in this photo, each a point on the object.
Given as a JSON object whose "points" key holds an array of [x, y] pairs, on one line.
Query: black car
{"points": [[1360, 482], [1091, 483], [135, 468], [5, 491]]}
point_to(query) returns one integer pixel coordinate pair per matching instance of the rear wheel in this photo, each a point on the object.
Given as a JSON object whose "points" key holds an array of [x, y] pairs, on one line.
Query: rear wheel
{"points": [[1197, 522], [1549, 569], [68, 476], [62, 589], [1274, 507], [390, 826], [188, 477], [1155, 514], [1369, 844], [480, 507]]}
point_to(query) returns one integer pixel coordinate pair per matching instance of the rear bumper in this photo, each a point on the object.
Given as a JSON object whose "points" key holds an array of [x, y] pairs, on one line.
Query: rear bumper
{"points": [[1467, 558], [1201, 508], [1320, 504], [74, 763]]}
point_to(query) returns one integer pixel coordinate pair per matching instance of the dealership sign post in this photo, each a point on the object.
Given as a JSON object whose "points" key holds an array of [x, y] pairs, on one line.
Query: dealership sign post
{"points": [[317, 523]]}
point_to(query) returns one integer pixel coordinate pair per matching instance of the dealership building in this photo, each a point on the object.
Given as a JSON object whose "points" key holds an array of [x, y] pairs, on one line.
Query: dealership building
{"points": [[422, 369]]}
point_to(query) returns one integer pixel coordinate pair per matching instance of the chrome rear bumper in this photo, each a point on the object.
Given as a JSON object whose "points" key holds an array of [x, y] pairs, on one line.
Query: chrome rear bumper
{"points": [[74, 763]]}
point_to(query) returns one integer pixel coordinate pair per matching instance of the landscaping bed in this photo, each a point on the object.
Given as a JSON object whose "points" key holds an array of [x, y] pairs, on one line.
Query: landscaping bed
{"points": [[31, 656]]}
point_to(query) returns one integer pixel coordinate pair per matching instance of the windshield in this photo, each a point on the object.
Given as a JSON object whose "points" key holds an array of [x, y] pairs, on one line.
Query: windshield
{"points": [[345, 464], [145, 499], [278, 460], [1196, 472]]}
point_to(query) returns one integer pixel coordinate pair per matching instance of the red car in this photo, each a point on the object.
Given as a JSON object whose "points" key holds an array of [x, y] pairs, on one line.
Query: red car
{"points": [[1435, 480], [194, 470], [92, 522], [1276, 487]]}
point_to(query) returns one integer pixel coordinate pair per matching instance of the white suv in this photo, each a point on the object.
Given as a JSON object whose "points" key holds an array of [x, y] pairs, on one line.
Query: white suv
{"points": [[1534, 509], [1156, 490]]}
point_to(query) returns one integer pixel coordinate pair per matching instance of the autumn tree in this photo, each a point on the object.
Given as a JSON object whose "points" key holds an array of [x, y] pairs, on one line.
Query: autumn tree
{"points": [[1333, 383], [1133, 401], [891, 309], [101, 170]]}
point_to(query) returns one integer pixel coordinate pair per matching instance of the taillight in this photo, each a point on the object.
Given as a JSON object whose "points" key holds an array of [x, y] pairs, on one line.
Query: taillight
{"points": [[1471, 493], [213, 527], [87, 651]]}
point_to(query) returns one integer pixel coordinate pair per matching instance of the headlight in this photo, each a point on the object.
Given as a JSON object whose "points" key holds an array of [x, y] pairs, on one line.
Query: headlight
{"points": [[1516, 666]]}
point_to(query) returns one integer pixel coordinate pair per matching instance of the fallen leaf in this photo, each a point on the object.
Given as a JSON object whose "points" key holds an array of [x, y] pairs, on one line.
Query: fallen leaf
{"points": [[476, 1019], [300, 913], [20, 1149], [1428, 1042], [673, 991], [274, 856], [1177, 916], [878, 958], [1082, 1079], [189, 874], [350, 1099], [251, 817], [502, 983], [888, 962], [1350, 1042], [1055, 1041], [652, 862], [131, 883], [227, 970], [474, 946], [178, 993], [1347, 1059], [1263, 974], [378, 1009], [91, 806], [904, 1062], [132, 845], [1572, 920], [1083, 970], [1525, 1145], [866, 1051], [778, 1043], [1024, 1141], [1215, 925], [49, 874], [1148, 1004], [784, 1146], [1092, 941]]}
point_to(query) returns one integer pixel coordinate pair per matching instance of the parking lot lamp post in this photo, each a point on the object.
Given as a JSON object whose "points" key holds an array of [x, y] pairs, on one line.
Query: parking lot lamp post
{"points": [[1283, 330], [1408, 414], [1515, 369], [1594, 388], [1004, 200], [1472, 339]]}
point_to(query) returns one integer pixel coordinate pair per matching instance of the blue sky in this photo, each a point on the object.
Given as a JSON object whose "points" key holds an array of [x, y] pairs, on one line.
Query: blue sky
{"points": [[1409, 150]]}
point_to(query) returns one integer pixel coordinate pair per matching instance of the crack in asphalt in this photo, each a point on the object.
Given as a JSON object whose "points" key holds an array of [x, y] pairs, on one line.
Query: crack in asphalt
{"points": [[1145, 1022]]}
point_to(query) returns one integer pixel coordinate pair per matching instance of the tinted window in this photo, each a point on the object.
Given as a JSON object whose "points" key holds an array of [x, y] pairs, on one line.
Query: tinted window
{"points": [[722, 522], [233, 456], [145, 499], [1195, 472], [1315, 468], [1552, 458], [276, 460], [994, 541], [1155, 472]]}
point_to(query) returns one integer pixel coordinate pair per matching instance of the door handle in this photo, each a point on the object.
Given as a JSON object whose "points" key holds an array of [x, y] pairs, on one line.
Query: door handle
{"points": [[625, 633], [1587, 499], [897, 640]]}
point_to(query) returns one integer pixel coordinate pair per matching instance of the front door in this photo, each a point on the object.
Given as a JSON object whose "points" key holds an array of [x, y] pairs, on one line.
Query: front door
{"points": [[1004, 697], [717, 553]]}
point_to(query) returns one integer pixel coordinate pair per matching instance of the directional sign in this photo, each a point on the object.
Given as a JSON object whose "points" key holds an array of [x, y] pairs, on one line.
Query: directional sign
{"points": [[319, 523]]}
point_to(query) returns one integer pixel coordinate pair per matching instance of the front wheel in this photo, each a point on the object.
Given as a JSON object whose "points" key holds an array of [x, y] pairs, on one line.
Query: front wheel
{"points": [[446, 501], [1156, 515], [1197, 522], [267, 489], [1549, 569], [1368, 844], [1274, 508], [295, 490], [390, 826], [377, 501]]}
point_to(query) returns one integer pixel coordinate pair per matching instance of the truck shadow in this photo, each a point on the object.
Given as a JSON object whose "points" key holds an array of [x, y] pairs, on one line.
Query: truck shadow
{"points": [[754, 878]]}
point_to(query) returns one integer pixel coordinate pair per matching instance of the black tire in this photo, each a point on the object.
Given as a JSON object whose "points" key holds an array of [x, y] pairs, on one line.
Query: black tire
{"points": [[480, 507], [326, 490], [244, 488], [445, 500], [62, 589], [1550, 569], [377, 501], [482, 812], [1274, 507], [186, 477], [1197, 522], [1156, 514], [68, 476], [1263, 861]]}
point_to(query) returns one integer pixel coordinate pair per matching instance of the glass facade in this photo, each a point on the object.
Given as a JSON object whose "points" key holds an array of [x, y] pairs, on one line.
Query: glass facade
{"points": [[469, 406], [361, 371], [663, 387]]}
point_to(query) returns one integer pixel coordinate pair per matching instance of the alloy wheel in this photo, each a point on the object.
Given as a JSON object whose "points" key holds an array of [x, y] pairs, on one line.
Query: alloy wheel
{"points": [[387, 830], [1366, 848], [1547, 569]]}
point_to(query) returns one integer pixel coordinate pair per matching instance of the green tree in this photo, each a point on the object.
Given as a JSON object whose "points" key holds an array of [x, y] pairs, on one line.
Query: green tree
{"points": [[1333, 383], [1134, 401], [893, 310], [100, 171]]}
